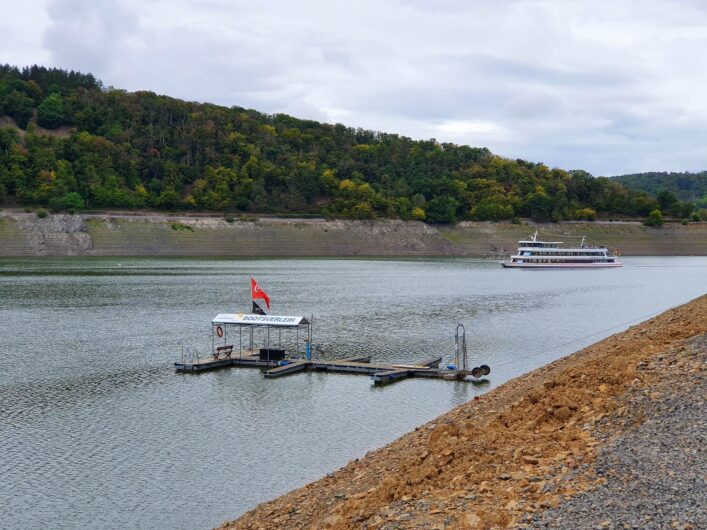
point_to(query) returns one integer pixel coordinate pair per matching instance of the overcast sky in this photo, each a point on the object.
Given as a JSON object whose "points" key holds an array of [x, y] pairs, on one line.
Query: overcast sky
{"points": [[608, 86]]}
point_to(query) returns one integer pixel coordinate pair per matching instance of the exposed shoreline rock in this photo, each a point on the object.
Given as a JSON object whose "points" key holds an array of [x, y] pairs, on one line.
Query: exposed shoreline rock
{"points": [[519, 456], [56, 234], [157, 234]]}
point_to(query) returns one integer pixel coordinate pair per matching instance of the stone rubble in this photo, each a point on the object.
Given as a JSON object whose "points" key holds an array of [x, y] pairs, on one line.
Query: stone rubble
{"points": [[654, 454], [609, 437]]}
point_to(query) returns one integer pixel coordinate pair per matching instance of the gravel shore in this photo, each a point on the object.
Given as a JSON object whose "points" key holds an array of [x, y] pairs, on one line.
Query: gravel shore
{"points": [[653, 457], [612, 436]]}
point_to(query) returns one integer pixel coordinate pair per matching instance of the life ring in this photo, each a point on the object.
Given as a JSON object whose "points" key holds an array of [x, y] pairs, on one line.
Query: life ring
{"points": [[219, 331]]}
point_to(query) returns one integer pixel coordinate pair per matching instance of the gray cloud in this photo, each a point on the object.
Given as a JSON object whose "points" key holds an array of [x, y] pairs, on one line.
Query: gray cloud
{"points": [[611, 88], [88, 35]]}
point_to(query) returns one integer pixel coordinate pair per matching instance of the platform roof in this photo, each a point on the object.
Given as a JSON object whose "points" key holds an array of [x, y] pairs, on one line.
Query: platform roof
{"points": [[245, 319]]}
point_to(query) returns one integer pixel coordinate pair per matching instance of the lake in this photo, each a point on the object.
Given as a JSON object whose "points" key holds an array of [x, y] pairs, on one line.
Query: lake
{"points": [[99, 431]]}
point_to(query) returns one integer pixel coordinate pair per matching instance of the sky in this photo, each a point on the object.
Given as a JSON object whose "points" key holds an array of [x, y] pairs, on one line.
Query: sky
{"points": [[612, 87]]}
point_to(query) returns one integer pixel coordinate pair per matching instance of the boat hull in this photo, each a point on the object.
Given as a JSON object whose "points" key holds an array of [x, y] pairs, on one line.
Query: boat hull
{"points": [[508, 265]]}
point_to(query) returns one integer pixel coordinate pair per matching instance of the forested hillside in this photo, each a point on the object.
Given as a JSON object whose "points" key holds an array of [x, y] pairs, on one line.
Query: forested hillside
{"points": [[70, 143], [689, 187]]}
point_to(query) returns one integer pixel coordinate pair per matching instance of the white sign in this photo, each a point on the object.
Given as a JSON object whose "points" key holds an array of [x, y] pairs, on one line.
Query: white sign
{"points": [[256, 320]]}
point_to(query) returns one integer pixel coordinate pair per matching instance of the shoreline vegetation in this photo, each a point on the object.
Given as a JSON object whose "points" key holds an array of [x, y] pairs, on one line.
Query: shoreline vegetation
{"points": [[158, 234], [578, 443], [68, 143]]}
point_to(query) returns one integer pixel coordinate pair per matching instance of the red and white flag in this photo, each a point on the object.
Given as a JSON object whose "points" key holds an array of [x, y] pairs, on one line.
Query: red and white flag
{"points": [[257, 292]]}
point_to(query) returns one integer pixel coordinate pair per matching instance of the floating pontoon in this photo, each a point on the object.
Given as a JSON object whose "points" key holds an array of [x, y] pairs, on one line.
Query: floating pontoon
{"points": [[234, 339]]}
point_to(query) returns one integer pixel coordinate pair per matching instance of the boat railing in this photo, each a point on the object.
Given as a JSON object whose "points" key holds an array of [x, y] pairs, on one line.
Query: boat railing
{"points": [[189, 355], [593, 246]]}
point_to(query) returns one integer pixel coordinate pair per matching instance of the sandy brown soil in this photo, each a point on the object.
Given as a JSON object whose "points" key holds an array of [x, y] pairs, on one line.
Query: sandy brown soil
{"points": [[495, 462]]}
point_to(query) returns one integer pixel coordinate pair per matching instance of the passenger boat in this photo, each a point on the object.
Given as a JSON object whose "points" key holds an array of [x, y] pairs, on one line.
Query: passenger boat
{"points": [[535, 254]]}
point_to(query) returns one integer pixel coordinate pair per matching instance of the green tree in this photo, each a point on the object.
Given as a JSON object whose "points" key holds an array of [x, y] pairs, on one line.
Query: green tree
{"points": [[540, 204], [488, 210], [50, 113], [19, 107], [682, 209], [362, 210], [403, 207], [655, 218], [666, 200], [168, 198], [442, 210], [70, 201]]}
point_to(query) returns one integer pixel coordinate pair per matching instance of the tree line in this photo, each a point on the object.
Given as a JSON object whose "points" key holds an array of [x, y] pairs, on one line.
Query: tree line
{"points": [[69, 143], [670, 187]]}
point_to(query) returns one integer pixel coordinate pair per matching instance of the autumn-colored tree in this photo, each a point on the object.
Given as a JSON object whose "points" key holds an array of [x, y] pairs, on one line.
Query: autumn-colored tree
{"points": [[141, 149]]}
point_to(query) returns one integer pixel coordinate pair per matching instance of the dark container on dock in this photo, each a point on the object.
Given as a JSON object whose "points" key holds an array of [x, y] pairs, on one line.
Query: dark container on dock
{"points": [[271, 354]]}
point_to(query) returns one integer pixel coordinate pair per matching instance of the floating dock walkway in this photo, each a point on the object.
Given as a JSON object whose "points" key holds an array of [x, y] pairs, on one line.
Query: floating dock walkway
{"points": [[277, 364], [380, 373]]}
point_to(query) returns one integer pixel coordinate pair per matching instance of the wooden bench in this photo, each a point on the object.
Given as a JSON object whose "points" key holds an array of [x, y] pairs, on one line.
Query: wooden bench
{"points": [[225, 350]]}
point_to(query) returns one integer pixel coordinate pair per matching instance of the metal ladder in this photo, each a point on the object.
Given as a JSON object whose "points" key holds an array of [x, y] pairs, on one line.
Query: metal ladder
{"points": [[460, 352]]}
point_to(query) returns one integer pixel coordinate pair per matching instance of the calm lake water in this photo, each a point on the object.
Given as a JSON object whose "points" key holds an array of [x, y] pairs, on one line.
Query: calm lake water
{"points": [[98, 431]]}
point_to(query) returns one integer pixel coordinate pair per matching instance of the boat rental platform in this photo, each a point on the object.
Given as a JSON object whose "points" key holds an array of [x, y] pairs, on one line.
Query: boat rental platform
{"points": [[277, 363]]}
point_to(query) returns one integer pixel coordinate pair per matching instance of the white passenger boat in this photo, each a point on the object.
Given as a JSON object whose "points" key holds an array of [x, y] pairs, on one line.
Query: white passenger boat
{"points": [[535, 254]]}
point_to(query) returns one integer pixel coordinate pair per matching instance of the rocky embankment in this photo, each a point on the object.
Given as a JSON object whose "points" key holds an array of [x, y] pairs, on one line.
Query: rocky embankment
{"points": [[162, 235], [153, 234], [612, 436]]}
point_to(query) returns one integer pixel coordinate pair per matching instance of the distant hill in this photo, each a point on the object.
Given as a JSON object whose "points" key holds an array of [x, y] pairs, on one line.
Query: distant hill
{"points": [[690, 187], [68, 143]]}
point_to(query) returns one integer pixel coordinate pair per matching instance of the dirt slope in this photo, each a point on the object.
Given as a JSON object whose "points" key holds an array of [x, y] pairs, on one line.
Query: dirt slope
{"points": [[504, 458]]}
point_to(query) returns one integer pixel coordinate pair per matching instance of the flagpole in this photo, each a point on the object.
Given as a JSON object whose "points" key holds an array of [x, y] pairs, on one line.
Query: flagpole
{"points": [[250, 288]]}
